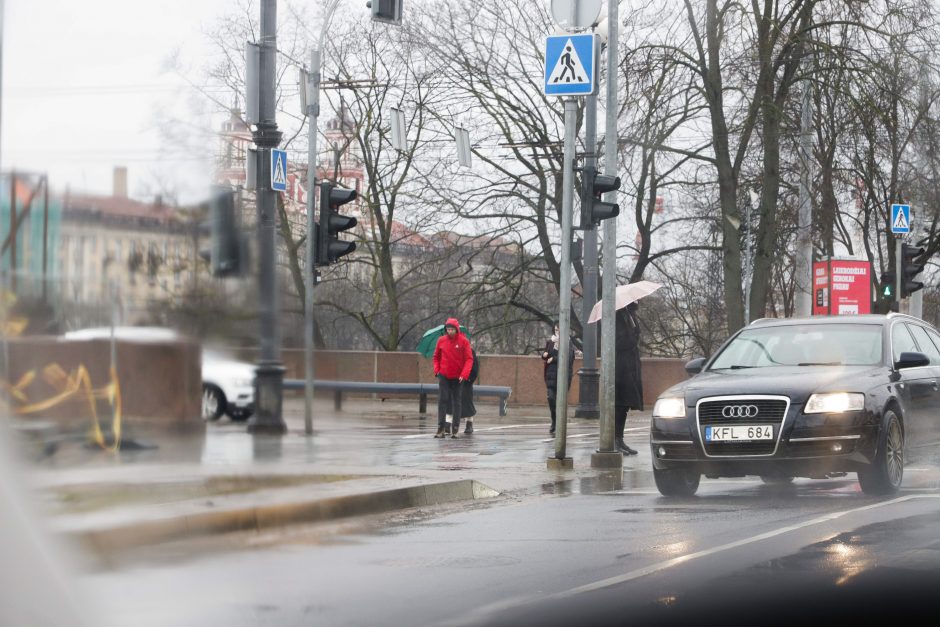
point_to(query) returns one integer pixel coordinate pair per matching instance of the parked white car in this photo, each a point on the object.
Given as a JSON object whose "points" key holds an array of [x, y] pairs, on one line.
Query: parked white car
{"points": [[227, 383], [228, 386]]}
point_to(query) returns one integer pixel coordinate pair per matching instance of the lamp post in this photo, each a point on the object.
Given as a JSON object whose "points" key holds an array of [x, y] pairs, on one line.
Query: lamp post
{"points": [[269, 378]]}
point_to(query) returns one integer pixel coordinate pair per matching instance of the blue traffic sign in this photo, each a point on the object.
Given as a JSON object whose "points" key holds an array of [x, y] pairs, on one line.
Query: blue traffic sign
{"points": [[279, 170], [900, 219], [570, 64]]}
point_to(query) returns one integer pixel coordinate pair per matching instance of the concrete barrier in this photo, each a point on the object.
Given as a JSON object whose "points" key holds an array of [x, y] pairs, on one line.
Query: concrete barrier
{"points": [[161, 383]]}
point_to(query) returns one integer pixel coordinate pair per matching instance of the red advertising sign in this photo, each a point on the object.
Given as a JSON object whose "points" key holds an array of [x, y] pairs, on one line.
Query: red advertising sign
{"points": [[841, 287], [821, 288]]}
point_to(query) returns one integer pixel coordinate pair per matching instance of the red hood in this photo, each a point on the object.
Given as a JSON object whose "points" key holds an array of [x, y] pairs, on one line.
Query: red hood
{"points": [[452, 322]]}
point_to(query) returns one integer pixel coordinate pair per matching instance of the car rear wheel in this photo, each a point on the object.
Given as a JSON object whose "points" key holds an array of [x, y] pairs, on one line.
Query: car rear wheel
{"points": [[213, 403], [886, 472], [676, 481]]}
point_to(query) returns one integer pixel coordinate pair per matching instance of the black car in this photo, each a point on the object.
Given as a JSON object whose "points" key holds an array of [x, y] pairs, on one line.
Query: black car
{"points": [[807, 397]]}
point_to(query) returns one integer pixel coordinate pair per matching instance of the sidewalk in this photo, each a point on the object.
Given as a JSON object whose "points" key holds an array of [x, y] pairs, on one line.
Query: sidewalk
{"points": [[372, 457]]}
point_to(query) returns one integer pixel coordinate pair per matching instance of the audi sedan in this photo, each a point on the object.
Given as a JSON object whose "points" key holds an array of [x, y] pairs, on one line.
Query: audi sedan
{"points": [[809, 397]]}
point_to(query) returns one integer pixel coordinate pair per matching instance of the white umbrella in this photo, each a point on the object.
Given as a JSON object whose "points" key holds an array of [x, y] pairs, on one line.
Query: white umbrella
{"points": [[626, 294]]}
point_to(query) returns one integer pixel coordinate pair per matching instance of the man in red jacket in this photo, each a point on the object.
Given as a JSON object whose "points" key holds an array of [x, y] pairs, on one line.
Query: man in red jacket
{"points": [[453, 360]]}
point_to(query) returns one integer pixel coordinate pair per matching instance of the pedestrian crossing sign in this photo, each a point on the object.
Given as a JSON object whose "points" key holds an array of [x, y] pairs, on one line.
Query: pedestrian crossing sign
{"points": [[570, 64], [279, 170], [900, 219]]}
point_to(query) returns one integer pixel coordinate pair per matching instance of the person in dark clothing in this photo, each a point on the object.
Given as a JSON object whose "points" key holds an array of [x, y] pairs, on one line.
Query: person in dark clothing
{"points": [[628, 382], [550, 357], [468, 409]]}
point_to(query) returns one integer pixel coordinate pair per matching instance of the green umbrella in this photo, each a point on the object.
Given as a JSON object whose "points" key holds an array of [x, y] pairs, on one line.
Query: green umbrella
{"points": [[429, 340]]}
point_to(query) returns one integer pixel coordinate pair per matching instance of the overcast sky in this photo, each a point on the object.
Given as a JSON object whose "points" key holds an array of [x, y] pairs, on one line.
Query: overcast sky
{"points": [[85, 87]]}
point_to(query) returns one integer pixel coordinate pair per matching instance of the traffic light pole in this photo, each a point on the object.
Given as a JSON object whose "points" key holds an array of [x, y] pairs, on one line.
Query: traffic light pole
{"points": [[587, 376], [564, 290], [269, 377], [607, 456], [899, 269], [313, 112]]}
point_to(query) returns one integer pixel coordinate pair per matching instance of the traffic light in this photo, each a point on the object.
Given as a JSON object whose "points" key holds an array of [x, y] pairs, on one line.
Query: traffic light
{"points": [[912, 264], [329, 246], [388, 11], [887, 284], [593, 187], [228, 247]]}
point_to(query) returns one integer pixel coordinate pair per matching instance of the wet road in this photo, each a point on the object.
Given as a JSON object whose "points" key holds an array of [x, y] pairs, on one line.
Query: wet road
{"points": [[608, 548]]}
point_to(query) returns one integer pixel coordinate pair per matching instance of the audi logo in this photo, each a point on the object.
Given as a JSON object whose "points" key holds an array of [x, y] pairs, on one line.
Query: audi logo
{"points": [[739, 411]]}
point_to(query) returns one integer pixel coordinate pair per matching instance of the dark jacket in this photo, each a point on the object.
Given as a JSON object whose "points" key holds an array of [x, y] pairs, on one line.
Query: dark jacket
{"points": [[467, 408], [550, 369], [628, 380]]}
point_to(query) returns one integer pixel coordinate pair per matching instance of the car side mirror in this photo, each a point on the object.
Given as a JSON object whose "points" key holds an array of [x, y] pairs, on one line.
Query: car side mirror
{"points": [[694, 366], [911, 360]]}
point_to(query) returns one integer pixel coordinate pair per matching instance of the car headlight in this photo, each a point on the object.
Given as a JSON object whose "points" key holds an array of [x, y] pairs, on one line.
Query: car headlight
{"points": [[834, 403], [669, 407]]}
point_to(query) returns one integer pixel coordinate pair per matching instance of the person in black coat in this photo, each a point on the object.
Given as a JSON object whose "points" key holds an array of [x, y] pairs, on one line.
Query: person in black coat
{"points": [[469, 410], [550, 357], [628, 380]]}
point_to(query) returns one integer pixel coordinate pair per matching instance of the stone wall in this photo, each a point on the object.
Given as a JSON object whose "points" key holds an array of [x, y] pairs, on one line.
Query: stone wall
{"points": [[523, 373], [160, 383]]}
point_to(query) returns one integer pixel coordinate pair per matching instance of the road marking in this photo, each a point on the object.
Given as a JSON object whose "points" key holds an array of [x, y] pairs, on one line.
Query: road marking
{"points": [[654, 568], [481, 613], [475, 430], [529, 425], [572, 437]]}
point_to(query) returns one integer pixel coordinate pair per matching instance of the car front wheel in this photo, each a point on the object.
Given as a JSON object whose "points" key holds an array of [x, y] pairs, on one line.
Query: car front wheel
{"points": [[213, 403], [887, 470], [676, 481]]}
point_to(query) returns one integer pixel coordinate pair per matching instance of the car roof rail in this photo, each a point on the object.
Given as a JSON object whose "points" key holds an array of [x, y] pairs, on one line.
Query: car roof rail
{"points": [[761, 321]]}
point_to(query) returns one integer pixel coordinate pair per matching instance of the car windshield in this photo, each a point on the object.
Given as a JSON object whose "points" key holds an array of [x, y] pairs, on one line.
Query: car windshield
{"points": [[803, 345]]}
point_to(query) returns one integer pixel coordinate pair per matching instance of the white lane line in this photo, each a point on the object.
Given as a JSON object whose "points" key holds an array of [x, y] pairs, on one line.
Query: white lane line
{"points": [[572, 437], [529, 425], [654, 568], [475, 430], [481, 613]]}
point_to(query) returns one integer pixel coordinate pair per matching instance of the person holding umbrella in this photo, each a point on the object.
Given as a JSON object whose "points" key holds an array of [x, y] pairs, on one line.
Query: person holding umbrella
{"points": [[453, 360], [628, 380]]}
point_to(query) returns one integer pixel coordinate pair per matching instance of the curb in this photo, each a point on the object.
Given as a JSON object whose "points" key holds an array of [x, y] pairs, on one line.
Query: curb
{"points": [[266, 517]]}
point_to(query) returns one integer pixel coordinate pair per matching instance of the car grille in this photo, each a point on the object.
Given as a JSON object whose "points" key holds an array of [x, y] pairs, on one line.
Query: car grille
{"points": [[769, 411]]}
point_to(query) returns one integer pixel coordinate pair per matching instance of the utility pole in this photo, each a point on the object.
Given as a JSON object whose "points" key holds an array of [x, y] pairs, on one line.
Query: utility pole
{"points": [[916, 304], [3, 279], [564, 289], [312, 100], [607, 456], [313, 112], [269, 378], [803, 270], [587, 376]]}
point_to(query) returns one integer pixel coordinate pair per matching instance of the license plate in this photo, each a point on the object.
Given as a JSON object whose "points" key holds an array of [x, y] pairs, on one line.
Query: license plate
{"points": [[739, 433]]}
